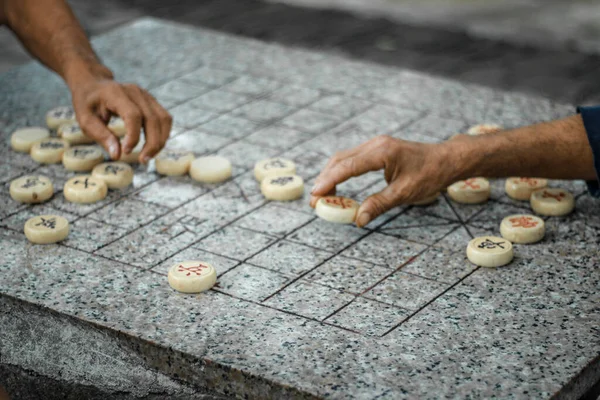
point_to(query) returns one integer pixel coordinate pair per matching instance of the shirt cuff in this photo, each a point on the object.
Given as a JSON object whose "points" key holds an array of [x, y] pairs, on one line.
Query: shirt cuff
{"points": [[591, 121]]}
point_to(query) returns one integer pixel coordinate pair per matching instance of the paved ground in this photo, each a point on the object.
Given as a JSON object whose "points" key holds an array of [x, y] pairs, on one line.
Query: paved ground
{"points": [[558, 73]]}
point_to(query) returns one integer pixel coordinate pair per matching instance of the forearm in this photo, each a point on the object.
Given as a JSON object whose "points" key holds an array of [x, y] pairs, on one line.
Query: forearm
{"points": [[556, 150], [50, 31]]}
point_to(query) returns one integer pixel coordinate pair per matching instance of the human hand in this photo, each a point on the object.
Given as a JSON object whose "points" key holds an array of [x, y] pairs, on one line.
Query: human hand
{"points": [[412, 170], [95, 100]]}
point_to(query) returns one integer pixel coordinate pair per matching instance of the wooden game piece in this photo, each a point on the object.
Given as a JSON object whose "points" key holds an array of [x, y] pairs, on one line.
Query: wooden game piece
{"points": [[49, 151], [174, 162], [427, 200], [82, 158], [470, 191], [521, 188], [282, 188], [490, 251], [116, 175], [212, 169], [117, 126], [337, 209], [45, 229], [58, 116], [483, 129], [72, 133], [85, 189], [552, 202], [23, 139], [31, 189], [522, 228], [192, 276], [273, 167]]}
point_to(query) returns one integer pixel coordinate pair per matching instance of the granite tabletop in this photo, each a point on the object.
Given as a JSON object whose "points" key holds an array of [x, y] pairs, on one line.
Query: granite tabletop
{"points": [[303, 308]]}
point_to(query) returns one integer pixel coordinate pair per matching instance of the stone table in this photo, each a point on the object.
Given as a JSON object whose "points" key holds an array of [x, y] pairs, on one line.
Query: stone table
{"points": [[302, 308]]}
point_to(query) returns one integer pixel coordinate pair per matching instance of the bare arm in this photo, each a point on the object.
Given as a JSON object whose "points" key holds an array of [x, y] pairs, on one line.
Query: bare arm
{"points": [[558, 149], [50, 31]]}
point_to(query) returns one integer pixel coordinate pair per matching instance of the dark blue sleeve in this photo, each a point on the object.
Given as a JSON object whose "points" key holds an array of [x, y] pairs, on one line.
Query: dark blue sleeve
{"points": [[591, 121]]}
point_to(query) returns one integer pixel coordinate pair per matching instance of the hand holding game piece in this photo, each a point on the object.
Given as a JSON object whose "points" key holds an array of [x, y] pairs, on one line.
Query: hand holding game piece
{"points": [[521, 188], [117, 126], [340, 210], [490, 251], [23, 139], [211, 169], [116, 175], [522, 228], [274, 167], [192, 276], [552, 202], [49, 151], [46, 229], [82, 158], [174, 162], [282, 188], [470, 191], [31, 189], [85, 189]]}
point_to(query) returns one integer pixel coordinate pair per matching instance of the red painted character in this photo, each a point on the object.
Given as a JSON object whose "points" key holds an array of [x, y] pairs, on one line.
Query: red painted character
{"points": [[194, 269], [471, 183], [557, 197], [529, 181], [338, 201], [525, 222]]}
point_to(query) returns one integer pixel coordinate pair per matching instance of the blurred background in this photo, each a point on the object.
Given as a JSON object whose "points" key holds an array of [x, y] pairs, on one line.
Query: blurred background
{"points": [[549, 48]]}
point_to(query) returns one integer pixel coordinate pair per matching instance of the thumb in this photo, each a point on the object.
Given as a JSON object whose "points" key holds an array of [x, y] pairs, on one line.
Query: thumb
{"points": [[376, 204], [93, 127]]}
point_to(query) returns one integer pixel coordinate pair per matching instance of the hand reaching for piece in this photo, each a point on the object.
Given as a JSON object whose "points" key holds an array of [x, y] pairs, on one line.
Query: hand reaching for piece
{"points": [[96, 100], [412, 170]]}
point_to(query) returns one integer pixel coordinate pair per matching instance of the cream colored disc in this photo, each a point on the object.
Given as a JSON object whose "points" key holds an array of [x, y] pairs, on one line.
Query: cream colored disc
{"points": [[174, 162], [134, 156], [273, 167], [192, 276], [212, 169], [85, 189], [22, 139], [483, 129], [116, 175], [58, 116], [470, 191], [45, 229], [490, 251], [521, 188], [340, 210], [552, 202], [522, 228], [31, 189], [282, 188], [117, 126], [428, 200], [72, 133], [82, 158], [49, 151]]}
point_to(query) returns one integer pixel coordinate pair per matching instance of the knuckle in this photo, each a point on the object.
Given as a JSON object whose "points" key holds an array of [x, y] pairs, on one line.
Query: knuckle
{"points": [[383, 140], [133, 114]]}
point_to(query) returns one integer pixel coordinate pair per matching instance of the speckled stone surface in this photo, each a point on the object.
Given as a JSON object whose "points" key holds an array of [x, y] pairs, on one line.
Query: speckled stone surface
{"points": [[303, 308]]}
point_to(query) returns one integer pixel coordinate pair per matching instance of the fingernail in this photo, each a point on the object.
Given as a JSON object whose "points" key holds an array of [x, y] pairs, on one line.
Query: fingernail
{"points": [[113, 150], [315, 188], [363, 219]]}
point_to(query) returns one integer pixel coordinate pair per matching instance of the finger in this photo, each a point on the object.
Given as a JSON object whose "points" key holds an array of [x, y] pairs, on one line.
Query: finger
{"points": [[165, 119], [119, 102], [377, 204], [151, 123], [94, 127], [347, 168]]}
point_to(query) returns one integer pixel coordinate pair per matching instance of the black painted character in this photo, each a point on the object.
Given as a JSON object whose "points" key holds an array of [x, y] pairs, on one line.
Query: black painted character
{"points": [[31, 182], [82, 153], [51, 145], [48, 223], [277, 163], [113, 169], [282, 180], [86, 183], [488, 244]]}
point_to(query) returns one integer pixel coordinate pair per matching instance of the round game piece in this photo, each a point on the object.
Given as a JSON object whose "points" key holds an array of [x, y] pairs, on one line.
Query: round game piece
{"points": [[470, 191], [553, 202], [49, 151], [340, 210], [22, 139], [282, 188], [134, 156], [58, 116], [483, 129], [85, 189], [211, 169], [31, 189], [174, 162], [116, 175], [45, 229], [490, 251], [72, 133], [428, 200], [117, 126], [522, 228], [521, 188], [82, 158], [273, 167], [192, 276]]}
